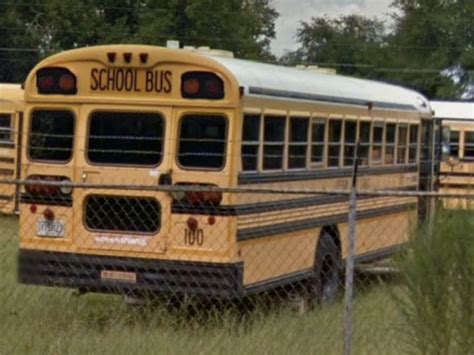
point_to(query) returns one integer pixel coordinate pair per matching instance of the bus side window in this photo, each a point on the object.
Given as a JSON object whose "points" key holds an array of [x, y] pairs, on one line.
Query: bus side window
{"points": [[364, 136], [273, 142], [402, 144], [469, 145], [318, 131], [250, 142], [377, 145], [413, 144], [390, 143], [350, 131], [334, 142], [298, 142], [454, 144], [6, 128]]}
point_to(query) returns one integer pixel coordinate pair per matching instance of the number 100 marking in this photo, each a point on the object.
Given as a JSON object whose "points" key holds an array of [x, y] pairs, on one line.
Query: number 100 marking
{"points": [[193, 237]]}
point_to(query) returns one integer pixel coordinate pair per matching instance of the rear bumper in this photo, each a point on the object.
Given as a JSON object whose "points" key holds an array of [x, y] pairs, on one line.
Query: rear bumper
{"points": [[216, 280]]}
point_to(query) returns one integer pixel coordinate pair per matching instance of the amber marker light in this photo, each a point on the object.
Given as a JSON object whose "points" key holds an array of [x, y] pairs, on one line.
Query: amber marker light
{"points": [[127, 57], [143, 57], [111, 56]]}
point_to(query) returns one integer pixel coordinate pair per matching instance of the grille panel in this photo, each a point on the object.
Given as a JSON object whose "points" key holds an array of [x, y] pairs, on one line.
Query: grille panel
{"points": [[127, 214]]}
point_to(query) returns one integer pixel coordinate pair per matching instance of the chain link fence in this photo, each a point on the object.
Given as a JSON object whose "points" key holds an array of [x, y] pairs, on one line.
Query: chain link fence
{"points": [[90, 268]]}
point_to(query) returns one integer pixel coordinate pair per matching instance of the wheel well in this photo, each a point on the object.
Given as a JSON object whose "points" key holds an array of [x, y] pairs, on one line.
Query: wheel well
{"points": [[333, 231]]}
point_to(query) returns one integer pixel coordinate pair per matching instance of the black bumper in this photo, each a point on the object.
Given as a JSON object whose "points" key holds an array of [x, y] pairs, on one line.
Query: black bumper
{"points": [[79, 271]]}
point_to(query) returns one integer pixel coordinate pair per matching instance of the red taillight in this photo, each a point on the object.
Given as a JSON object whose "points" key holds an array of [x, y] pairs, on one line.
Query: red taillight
{"points": [[45, 82], [211, 220], [191, 87], [67, 82], [202, 85], [55, 80], [48, 214], [48, 190], [192, 223], [213, 198], [213, 87], [196, 198], [33, 208]]}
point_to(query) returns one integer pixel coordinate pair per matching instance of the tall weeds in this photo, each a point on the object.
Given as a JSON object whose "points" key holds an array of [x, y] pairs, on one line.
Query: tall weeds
{"points": [[436, 298]]}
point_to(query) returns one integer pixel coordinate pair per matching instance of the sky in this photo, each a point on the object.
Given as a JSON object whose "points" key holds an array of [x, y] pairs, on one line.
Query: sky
{"points": [[292, 12]]}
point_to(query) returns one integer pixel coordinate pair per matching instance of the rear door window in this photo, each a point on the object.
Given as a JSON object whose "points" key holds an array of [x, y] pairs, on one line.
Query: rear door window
{"points": [[125, 138], [202, 141], [51, 135]]}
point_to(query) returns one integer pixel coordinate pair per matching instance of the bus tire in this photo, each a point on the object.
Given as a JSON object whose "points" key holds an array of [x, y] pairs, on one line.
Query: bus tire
{"points": [[325, 282]]}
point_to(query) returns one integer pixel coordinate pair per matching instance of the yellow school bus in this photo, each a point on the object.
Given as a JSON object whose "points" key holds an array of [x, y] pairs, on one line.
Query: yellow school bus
{"points": [[456, 168], [145, 115], [11, 116]]}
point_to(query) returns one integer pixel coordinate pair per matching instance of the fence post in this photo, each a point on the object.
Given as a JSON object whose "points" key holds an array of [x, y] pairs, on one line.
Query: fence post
{"points": [[349, 286]]}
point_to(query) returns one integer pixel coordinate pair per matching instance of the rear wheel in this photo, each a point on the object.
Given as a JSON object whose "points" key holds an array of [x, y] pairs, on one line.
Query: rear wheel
{"points": [[324, 285]]}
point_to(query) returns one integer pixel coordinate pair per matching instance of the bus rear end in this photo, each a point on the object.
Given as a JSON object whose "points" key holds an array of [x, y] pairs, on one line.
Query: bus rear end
{"points": [[112, 133], [11, 114]]}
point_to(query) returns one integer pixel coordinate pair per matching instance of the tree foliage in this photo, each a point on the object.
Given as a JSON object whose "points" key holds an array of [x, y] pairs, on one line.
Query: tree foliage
{"points": [[351, 43], [33, 29], [430, 47]]}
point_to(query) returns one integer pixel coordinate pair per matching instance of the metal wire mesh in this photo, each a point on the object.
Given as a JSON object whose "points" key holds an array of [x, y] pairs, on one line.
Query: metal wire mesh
{"points": [[122, 268]]}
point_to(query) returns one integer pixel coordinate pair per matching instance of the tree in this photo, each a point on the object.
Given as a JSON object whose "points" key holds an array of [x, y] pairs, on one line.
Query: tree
{"points": [[242, 26], [436, 39], [33, 30], [351, 44]]}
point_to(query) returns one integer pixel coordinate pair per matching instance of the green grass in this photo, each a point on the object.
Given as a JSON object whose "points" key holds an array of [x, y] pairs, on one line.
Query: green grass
{"points": [[438, 274], [40, 320]]}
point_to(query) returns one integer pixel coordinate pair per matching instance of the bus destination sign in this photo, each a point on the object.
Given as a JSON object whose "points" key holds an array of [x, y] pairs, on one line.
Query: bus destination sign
{"points": [[130, 80]]}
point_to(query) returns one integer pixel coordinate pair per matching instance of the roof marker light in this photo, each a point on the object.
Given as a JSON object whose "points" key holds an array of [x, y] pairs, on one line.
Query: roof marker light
{"points": [[127, 57], [111, 56], [143, 57]]}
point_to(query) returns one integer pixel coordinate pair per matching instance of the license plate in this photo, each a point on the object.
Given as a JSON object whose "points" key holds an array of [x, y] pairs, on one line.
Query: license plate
{"points": [[47, 228], [124, 276]]}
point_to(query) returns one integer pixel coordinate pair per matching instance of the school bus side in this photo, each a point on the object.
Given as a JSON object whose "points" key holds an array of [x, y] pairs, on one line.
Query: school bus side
{"points": [[456, 166], [11, 115], [228, 245], [278, 234]]}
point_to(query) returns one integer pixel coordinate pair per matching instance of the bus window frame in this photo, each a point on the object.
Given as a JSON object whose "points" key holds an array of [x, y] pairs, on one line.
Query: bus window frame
{"points": [[10, 130], [339, 143], [284, 165], [178, 135], [392, 144], [460, 133], [405, 146], [352, 145], [325, 121], [290, 143], [257, 143], [413, 145], [364, 144], [74, 140], [381, 144], [86, 145], [464, 145]]}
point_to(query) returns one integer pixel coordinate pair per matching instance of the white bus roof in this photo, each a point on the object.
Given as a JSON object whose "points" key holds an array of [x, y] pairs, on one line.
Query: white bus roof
{"points": [[286, 82], [454, 110]]}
